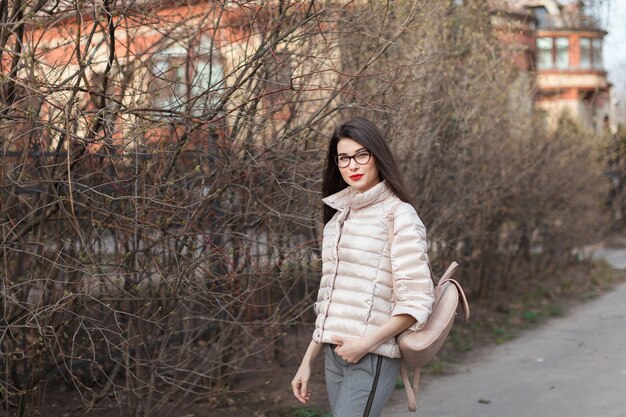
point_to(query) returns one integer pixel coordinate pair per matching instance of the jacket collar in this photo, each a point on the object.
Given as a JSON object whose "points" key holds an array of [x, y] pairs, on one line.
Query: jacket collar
{"points": [[350, 198]]}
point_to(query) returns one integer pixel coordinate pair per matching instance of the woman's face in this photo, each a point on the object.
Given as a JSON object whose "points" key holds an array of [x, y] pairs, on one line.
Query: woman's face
{"points": [[360, 171]]}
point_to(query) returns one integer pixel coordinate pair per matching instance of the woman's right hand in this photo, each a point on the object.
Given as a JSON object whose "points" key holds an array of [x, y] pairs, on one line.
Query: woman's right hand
{"points": [[300, 383]]}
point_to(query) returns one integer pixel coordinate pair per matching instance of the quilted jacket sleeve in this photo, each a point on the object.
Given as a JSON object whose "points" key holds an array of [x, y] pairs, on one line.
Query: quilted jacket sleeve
{"points": [[413, 287]]}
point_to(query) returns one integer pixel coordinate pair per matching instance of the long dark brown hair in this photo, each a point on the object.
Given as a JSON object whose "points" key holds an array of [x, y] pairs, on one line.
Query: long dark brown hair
{"points": [[369, 136]]}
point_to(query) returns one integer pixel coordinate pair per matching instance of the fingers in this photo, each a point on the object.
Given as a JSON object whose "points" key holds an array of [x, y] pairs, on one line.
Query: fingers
{"points": [[304, 392], [349, 359], [338, 339], [300, 391], [347, 354], [339, 343], [343, 355], [295, 386]]}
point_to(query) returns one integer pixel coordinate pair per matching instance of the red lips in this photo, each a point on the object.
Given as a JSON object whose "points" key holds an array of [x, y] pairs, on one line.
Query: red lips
{"points": [[356, 177]]}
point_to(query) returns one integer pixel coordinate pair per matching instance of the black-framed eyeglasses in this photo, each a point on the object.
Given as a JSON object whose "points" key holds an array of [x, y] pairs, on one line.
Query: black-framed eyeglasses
{"points": [[362, 157]]}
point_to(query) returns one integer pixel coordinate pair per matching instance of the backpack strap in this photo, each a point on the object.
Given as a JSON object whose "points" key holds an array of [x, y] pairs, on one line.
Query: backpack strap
{"points": [[462, 298], [410, 387]]}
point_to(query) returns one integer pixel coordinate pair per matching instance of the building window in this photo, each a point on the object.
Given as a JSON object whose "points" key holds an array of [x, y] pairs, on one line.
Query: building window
{"points": [[562, 53], [553, 53], [597, 53], [187, 78], [544, 53], [585, 53], [591, 53], [542, 16]]}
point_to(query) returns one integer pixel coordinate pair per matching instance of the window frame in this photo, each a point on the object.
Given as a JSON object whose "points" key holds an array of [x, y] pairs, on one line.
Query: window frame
{"points": [[542, 16], [541, 52], [596, 54], [588, 63], [558, 53], [183, 87], [591, 49]]}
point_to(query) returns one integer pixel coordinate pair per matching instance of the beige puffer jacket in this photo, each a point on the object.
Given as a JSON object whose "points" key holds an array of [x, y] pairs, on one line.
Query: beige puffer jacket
{"points": [[355, 295]]}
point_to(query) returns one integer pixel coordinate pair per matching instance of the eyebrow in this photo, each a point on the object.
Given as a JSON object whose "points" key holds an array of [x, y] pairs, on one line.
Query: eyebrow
{"points": [[355, 152]]}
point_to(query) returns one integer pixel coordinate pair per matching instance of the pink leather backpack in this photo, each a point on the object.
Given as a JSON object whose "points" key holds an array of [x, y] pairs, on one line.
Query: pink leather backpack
{"points": [[418, 348]]}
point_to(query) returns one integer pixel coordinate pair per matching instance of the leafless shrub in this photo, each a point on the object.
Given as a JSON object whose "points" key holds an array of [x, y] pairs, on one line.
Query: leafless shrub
{"points": [[498, 192], [161, 164], [616, 157]]}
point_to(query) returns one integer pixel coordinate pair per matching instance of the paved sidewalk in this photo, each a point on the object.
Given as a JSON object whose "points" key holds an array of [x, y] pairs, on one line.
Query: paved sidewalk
{"points": [[574, 366]]}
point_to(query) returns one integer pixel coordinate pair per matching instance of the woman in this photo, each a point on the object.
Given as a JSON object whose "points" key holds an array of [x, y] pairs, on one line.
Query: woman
{"points": [[372, 288]]}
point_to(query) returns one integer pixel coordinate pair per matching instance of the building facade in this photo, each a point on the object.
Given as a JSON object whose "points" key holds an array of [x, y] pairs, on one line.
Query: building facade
{"points": [[562, 47], [159, 72]]}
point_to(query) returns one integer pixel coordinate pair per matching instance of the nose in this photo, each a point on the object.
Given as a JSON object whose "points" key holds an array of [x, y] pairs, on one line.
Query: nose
{"points": [[353, 165]]}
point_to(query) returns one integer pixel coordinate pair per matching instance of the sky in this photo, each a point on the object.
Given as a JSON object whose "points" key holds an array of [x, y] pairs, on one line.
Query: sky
{"points": [[612, 16]]}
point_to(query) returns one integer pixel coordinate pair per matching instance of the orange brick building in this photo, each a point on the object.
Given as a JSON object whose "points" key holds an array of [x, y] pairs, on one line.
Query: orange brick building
{"points": [[561, 46], [169, 71]]}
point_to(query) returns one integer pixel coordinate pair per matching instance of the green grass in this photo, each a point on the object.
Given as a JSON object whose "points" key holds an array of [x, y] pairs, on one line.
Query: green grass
{"points": [[399, 384], [502, 334], [531, 316]]}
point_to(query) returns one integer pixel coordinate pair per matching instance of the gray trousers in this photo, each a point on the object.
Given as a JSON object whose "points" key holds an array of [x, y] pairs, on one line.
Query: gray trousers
{"points": [[360, 389]]}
